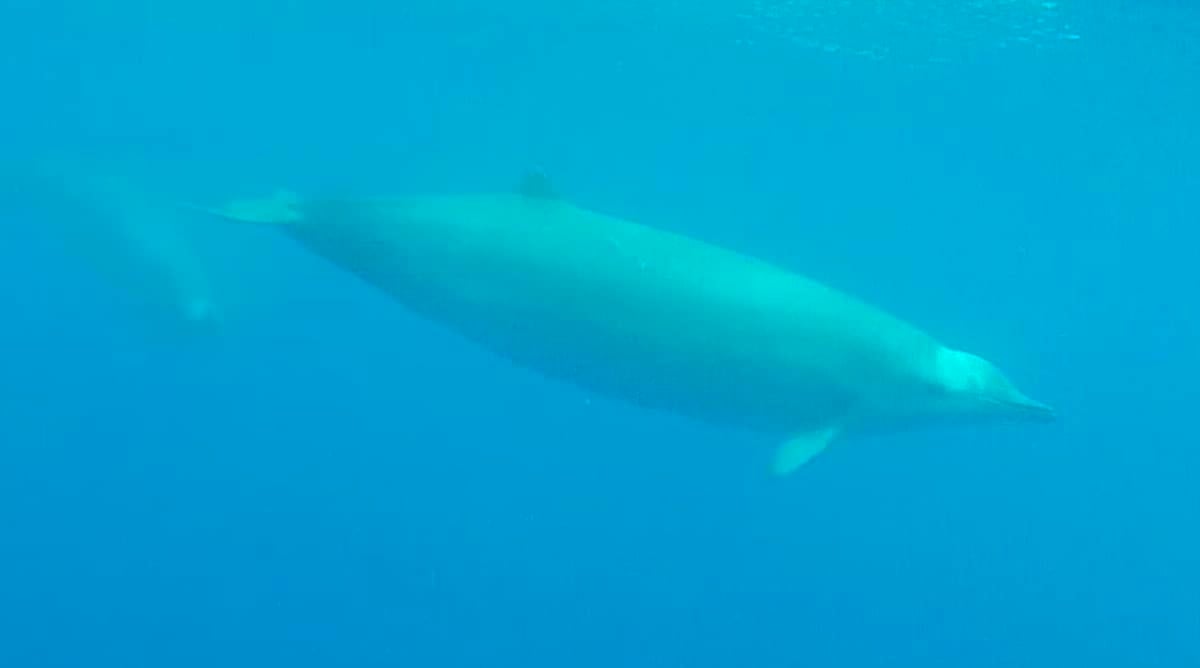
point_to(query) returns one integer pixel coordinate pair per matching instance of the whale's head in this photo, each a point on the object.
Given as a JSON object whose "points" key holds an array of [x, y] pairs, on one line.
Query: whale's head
{"points": [[969, 386]]}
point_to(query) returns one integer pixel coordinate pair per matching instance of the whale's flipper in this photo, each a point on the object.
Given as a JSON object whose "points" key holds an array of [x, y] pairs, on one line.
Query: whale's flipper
{"points": [[796, 451], [282, 207]]}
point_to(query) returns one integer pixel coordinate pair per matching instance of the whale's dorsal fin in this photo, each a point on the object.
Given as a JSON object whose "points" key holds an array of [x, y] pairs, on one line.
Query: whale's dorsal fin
{"points": [[799, 449], [536, 185]]}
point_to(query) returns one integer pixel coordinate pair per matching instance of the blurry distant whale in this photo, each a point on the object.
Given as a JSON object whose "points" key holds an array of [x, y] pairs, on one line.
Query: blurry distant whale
{"points": [[136, 242], [652, 317]]}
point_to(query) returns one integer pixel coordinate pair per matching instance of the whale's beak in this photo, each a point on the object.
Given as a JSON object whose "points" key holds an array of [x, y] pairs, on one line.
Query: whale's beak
{"points": [[203, 315], [1032, 409]]}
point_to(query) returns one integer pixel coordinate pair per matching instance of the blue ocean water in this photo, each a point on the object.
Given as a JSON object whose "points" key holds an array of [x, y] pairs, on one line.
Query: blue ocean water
{"points": [[331, 480]]}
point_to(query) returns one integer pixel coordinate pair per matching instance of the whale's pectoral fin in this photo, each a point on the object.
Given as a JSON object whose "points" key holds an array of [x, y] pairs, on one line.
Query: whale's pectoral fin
{"points": [[796, 451]]}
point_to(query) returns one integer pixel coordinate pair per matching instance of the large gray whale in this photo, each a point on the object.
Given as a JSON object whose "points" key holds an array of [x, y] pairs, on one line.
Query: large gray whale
{"points": [[659, 319]]}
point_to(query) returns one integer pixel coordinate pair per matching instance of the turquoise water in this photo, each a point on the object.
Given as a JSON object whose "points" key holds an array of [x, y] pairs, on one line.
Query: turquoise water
{"points": [[328, 480]]}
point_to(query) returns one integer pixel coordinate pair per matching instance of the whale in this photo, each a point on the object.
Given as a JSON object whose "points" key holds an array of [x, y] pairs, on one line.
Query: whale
{"points": [[97, 213], [649, 316]]}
